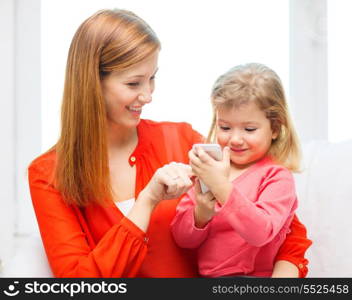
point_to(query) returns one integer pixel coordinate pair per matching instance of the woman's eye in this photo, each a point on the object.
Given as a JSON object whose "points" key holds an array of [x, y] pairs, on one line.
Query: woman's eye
{"points": [[133, 83], [152, 78], [250, 129]]}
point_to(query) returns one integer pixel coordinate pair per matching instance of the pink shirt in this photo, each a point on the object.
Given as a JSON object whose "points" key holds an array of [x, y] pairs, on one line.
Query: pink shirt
{"points": [[245, 235]]}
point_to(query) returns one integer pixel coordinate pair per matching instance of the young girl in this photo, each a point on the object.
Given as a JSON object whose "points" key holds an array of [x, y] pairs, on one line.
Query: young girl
{"points": [[240, 224]]}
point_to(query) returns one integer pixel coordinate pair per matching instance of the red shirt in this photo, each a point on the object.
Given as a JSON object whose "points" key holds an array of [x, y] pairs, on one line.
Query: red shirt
{"points": [[97, 241]]}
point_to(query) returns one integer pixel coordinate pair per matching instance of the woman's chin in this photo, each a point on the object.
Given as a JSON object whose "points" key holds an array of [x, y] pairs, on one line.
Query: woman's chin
{"points": [[125, 122]]}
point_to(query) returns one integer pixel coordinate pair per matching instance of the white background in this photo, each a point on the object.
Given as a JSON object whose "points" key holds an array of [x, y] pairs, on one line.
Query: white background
{"points": [[200, 41], [339, 69]]}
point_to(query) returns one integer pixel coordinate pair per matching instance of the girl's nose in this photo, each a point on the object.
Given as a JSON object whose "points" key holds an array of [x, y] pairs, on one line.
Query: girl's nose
{"points": [[236, 139]]}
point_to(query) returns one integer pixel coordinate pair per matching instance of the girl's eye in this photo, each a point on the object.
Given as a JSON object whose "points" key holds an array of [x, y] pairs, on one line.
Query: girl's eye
{"points": [[224, 128], [152, 78], [250, 129]]}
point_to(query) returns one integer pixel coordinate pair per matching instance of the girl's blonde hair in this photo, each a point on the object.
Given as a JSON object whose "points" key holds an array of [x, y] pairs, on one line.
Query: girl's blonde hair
{"points": [[109, 40], [258, 83]]}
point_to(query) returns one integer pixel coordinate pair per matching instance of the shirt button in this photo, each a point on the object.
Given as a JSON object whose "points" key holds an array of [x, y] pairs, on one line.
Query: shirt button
{"points": [[133, 158], [146, 239], [300, 266]]}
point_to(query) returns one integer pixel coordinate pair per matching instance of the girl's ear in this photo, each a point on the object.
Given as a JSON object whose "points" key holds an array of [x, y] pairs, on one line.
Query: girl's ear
{"points": [[274, 135], [275, 130]]}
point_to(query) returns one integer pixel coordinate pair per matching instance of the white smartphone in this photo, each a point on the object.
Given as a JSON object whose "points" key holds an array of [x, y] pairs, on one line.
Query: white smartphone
{"points": [[214, 150]]}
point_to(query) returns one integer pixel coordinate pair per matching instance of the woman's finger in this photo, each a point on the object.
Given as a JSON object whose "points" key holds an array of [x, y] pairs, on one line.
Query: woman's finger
{"points": [[167, 177], [184, 174], [181, 173], [177, 178]]}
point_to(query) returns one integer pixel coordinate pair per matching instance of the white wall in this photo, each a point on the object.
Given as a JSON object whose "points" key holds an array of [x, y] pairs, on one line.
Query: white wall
{"points": [[340, 66], [20, 122], [7, 128], [308, 68], [200, 40], [28, 104]]}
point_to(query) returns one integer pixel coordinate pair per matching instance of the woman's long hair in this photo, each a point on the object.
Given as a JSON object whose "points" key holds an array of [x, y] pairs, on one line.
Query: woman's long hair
{"points": [[110, 40], [260, 84]]}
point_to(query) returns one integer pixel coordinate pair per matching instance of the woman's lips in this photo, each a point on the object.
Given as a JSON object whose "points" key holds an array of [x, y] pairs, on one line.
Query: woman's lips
{"points": [[134, 110]]}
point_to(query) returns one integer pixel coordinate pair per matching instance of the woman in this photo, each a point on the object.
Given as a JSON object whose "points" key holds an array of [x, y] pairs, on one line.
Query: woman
{"points": [[97, 193]]}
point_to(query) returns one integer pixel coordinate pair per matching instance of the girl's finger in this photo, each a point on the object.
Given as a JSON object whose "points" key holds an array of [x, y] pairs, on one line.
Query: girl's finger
{"points": [[193, 158], [226, 154], [197, 189], [203, 156], [209, 196], [195, 169]]}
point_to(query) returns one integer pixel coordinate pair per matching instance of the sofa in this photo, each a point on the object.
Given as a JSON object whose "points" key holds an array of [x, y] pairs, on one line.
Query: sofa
{"points": [[324, 189]]}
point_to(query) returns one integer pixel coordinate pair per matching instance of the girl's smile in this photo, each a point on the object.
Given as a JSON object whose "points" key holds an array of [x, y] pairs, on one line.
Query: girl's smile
{"points": [[246, 131]]}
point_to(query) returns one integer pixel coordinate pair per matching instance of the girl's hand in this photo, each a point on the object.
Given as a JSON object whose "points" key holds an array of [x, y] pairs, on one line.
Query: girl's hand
{"points": [[212, 172], [169, 182], [205, 206]]}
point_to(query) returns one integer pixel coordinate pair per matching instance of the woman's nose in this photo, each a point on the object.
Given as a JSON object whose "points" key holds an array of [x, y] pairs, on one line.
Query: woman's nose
{"points": [[145, 97]]}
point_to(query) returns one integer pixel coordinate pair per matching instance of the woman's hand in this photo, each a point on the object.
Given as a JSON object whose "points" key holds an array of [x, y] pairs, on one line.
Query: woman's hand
{"points": [[283, 268], [205, 206], [169, 182]]}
